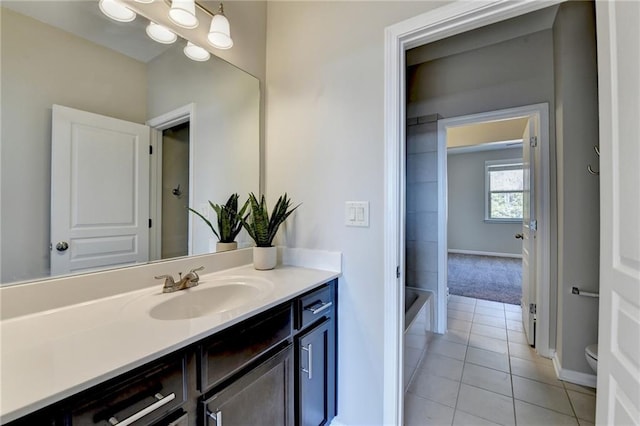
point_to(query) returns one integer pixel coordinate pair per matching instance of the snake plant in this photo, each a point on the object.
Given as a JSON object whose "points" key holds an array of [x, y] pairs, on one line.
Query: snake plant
{"points": [[230, 220], [262, 228]]}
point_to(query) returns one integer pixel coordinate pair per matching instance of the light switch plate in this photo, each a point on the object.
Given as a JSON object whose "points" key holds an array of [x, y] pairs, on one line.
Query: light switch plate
{"points": [[356, 213]]}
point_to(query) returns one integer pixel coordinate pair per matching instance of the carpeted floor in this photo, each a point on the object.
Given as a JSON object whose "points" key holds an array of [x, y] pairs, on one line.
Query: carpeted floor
{"points": [[485, 277]]}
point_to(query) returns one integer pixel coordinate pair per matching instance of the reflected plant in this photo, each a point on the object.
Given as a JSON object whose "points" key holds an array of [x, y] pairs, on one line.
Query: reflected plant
{"points": [[230, 220]]}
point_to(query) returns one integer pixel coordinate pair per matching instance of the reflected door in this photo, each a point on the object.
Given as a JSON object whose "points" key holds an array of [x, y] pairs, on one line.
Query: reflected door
{"points": [[99, 191]]}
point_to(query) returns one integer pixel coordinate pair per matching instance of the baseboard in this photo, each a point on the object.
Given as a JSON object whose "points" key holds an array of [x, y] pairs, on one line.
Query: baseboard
{"points": [[485, 253], [572, 376]]}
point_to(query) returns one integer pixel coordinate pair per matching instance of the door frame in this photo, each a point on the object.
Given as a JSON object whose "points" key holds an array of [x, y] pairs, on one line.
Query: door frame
{"points": [[186, 113], [542, 193], [439, 23]]}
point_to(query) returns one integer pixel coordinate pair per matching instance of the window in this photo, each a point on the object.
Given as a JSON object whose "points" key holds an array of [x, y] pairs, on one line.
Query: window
{"points": [[504, 184]]}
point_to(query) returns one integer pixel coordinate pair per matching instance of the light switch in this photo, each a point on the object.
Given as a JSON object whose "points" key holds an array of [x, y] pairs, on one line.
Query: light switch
{"points": [[357, 213]]}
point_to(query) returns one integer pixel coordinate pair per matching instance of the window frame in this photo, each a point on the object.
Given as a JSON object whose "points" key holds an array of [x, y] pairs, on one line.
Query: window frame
{"points": [[506, 164]]}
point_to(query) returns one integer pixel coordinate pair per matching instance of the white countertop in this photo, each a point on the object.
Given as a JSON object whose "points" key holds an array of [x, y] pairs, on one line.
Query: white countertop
{"points": [[48, 356]]}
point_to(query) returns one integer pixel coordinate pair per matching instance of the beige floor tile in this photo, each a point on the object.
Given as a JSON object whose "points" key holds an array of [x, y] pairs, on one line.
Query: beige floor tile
{"points": [[515, 316], [523, 351], [442, 366], [489, 304], [512, 308], [412, 357], [489, 320], [487, 405], [463, 315], [579, 388], [486, 358], [456, 336], [583, 404], [515, 325], [422, 412], [487, 378], [487, 330], [456, 306], [447, 348], [492, 312], [435, 388], [541, 394], [460, 418], [516, 337], [462, 299], [483, 342], [532, 415], [534, 371], [585, 423], [416, 341], [457, 324]]}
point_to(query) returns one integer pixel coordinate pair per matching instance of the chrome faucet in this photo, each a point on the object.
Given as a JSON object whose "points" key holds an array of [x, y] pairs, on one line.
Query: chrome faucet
{"points": [[190, 279]]}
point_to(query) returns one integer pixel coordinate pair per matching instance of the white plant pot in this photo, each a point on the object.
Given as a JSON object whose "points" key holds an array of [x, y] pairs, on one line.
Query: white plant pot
{"points": [[226, 246], [265, 258]]}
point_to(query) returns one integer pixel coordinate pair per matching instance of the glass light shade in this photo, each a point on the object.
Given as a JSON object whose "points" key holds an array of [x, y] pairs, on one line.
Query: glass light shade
{"points": [[160, 33], [219, 32], [183, 13], [117, 11], [196, 53], [145, 1]]}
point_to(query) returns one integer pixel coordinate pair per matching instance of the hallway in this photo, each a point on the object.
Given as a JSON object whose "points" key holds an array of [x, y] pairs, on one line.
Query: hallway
{"points": [[482, 372]]}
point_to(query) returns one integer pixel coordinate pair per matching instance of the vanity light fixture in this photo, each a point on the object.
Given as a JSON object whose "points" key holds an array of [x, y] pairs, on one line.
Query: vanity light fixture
{"points": [[160, 33], [183, 13], [116, 10], [145, 1], [219, 31], [196, 53]]}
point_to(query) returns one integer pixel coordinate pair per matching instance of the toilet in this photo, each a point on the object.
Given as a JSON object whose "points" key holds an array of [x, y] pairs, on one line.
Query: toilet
{"points": [[591, 353]]}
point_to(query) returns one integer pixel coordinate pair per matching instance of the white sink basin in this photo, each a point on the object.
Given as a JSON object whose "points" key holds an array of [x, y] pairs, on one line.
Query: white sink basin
{"points": [[211, 296]]}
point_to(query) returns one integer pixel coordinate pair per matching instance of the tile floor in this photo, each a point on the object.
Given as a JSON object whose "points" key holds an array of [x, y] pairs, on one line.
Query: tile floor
{"points": [[482, 372]]}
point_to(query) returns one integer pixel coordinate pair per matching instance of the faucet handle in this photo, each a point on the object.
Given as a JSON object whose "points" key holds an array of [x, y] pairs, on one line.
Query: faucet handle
{"points": [[168, 279], [194, 273]]}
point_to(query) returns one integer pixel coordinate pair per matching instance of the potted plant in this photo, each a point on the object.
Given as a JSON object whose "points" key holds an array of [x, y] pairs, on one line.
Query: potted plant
{"points": [[229, 222], [262, 228]]}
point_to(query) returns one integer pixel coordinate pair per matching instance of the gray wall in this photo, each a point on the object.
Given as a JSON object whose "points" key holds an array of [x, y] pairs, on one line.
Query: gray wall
{"points": [[42, 66], [466, 227], [578, 191]]}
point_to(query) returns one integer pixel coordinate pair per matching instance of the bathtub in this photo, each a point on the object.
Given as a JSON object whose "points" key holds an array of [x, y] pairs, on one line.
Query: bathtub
{"points": [[418, 313]]}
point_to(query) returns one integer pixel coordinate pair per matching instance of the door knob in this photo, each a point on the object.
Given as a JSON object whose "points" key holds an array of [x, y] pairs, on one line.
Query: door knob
{"points": [[519, 236], [62, 246]]}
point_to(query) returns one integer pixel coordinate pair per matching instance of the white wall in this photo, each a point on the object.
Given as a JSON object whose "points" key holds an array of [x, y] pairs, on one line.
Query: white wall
{"points": [[42, 66], [225, 129], [324, 146], [466, 227], [578, 191]]}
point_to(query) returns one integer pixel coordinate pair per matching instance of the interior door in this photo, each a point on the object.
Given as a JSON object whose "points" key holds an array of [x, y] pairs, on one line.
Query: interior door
{"points": [[529, 228], [618, 396], [99, 191]]}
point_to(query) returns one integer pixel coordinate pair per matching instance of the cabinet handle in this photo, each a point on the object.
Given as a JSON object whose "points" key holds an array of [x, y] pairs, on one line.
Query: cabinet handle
{"points": [[161, 400], [216, 417], [315, 309], [309, 369]]}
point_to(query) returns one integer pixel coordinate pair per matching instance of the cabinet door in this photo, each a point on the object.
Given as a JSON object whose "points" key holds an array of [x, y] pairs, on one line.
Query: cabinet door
{"points": [[315, 355], [263, 396]]}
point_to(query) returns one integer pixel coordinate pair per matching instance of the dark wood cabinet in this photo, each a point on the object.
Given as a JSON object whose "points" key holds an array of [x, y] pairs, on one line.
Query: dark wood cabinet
{"points": [[261, 397], [275, 368], [316, 357]]}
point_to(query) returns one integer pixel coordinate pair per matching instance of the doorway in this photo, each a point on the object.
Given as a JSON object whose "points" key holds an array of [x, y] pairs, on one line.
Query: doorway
{"points": [[175, 191], [485, 206]]}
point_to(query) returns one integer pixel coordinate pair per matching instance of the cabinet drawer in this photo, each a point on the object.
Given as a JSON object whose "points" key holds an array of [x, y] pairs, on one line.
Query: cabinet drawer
{"points": [[314, 306], [261, 397], [145, 395], [233, 349]]}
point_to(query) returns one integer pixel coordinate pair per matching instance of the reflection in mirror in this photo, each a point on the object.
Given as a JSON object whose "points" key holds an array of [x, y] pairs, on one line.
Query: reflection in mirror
{"points": [[202, 120]]}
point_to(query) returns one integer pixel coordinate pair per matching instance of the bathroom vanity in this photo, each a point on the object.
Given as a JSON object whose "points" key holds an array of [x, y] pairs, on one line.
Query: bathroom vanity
{"points": [[271, 361]]}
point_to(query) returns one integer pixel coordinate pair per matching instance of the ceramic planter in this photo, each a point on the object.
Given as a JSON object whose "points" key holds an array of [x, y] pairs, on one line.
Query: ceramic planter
{"points": [[265, 258], [226, 246]]}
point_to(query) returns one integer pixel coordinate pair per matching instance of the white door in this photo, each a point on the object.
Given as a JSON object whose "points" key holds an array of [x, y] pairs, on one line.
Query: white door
{"points": [[618, 396], [529, 227], [99, 191]]}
